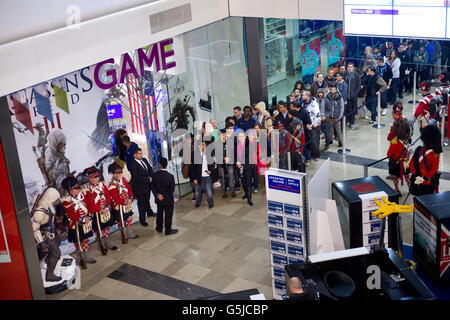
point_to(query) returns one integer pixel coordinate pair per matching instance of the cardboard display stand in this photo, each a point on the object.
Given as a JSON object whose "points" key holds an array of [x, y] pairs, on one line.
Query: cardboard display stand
{"points": [[354, 199], [431, 244], [288, 223]]}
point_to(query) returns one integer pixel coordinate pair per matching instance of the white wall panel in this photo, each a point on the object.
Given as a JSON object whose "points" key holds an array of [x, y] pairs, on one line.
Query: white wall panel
{"points": [[18, 66], [321, 9], [65, 50], [264, 8]]}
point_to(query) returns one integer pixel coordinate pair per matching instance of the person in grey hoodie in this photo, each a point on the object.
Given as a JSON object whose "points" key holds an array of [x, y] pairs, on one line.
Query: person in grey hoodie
{"points": [[334, 110]]}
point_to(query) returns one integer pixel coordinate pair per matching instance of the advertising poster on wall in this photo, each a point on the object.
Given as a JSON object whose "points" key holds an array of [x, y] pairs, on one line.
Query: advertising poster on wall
{"points": [[61, 127], [425, 233], [310, 57], [336, 47], [445, 251]]}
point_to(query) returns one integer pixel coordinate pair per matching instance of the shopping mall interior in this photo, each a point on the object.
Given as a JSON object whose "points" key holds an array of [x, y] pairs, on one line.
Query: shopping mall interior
{"points": [[79, 78]]}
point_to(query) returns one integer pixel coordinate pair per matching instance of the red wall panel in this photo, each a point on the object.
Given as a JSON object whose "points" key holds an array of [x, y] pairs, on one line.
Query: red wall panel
{"points": [[13, 272]]}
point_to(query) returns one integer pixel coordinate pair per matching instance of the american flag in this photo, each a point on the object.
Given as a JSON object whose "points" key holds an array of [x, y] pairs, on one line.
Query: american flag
{"points": [[135, 106]]}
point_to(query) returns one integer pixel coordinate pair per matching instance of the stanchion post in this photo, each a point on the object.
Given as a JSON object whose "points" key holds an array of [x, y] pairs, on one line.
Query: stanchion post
{"points": [[343, 150], [379, 125], [414, 101]]}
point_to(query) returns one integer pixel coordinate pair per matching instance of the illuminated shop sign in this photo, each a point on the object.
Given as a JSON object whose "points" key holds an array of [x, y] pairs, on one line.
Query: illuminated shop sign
{"points": [[157, 57]]}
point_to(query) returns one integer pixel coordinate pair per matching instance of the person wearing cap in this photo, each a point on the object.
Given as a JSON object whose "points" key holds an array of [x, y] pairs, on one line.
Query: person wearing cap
{"points": [[284, 144], [398, 152], [422, 113], [444, 79], [122, 197], [102, 206], [79, 207], [163, 188], [397, 113], [369, 62]]}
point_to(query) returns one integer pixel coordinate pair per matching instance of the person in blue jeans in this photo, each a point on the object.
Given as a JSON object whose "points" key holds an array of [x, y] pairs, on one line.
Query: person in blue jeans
{"points": [[202, 176]]}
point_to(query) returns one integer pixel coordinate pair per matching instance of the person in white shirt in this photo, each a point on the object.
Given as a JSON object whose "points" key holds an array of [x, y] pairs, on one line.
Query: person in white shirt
{"points": [[395, 64]]}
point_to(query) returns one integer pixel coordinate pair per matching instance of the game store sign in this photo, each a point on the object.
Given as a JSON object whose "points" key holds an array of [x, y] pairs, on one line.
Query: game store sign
{"points": [[157, 57]]}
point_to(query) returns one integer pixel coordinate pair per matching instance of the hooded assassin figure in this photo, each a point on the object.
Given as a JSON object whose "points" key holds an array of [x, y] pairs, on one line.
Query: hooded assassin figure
{"points": [[56, 163], [45, 233], [424, 164]]}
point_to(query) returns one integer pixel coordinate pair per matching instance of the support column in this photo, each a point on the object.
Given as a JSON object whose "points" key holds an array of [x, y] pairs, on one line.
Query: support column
{"points": [[17, 187], [256, 59]]}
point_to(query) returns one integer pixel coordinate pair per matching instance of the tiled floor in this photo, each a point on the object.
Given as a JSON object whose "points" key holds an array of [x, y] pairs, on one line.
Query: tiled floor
{"points": [[223, 249]]}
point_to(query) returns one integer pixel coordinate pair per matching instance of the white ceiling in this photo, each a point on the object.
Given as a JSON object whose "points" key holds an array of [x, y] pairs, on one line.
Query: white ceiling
{"points": [[36, 45]]}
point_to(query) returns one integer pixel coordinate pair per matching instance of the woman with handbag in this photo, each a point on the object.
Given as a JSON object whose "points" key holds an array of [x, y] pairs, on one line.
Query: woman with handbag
{"points": [[398, 152]]}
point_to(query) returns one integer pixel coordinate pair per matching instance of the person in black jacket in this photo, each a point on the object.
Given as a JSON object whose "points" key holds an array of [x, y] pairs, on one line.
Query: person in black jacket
{"points": [[202, 175], [141, 179], [282, 114], [354, 86], [163, 187], [385, 71]]}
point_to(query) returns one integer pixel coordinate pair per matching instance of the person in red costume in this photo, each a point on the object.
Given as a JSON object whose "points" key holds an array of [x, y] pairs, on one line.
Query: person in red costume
{"points": [[398, 152], [79, 207], [122, 197], [422, 113], [397, 113], [424, 164], [102, 206]]}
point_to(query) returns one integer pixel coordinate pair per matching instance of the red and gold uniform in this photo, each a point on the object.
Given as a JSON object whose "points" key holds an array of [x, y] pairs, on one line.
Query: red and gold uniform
{"points": [[428, 165], [398, 154], [102, 200], [422, 113], [80, 209], [121, 192]]}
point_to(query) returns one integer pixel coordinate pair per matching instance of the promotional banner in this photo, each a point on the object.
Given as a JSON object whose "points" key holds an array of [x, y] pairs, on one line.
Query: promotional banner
{"points": [[61, 127], [310, 57], [336, 47]]}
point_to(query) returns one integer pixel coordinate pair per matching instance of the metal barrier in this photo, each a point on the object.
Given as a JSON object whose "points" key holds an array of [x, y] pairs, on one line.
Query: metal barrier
{"points": [[366, 167], [343, 150], [379, 125]]}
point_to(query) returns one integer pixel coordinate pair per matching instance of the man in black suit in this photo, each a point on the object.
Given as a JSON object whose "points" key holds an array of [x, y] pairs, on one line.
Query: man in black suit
{"points": [[163, 186], [141, 178]]}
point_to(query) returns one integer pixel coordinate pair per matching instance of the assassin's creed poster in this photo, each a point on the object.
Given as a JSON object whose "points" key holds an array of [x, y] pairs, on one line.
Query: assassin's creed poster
{"points": [[61, 127]]}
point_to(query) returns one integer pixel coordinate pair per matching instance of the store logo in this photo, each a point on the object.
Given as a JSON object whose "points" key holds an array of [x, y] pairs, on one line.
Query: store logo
{"points": [[74, 19], [374, 280], [158, 54]]}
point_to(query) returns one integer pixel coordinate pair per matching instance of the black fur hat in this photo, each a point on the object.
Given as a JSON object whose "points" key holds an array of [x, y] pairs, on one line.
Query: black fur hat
{"points": [[70, 183], [114, 168], [91, 172], [431, 137]]}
